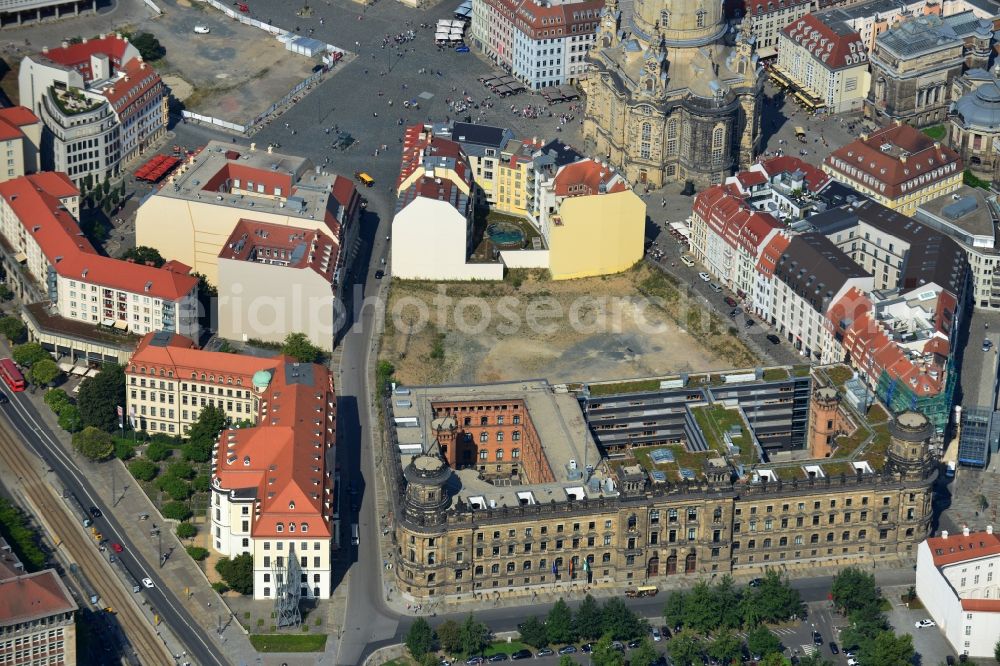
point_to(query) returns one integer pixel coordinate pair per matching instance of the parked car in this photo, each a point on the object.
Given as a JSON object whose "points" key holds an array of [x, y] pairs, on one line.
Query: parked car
{"points": [[147, 582], [749, 322], [634, 644], [734, 313], [117, 547], [95, 512], [730, 301], [851, 651], [817, 638], [567, 649], [587, 648], [202, 29], [987, 345], [705, 277], [756, 582], [462, 49], [851, 661], [665, 631], [498, 657], [833, 648], [545, 652], [687, 261], [714, 287], [655, 633], [475, 660], [773, 339], [618, 646], [521, 654], [923, 624], [379, 274]]}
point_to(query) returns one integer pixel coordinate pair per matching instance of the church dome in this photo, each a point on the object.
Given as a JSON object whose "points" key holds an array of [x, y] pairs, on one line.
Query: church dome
{"points": [[680, 22], [981, 107]]}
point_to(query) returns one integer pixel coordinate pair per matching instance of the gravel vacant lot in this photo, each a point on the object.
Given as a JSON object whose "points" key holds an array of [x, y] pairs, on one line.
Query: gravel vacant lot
{"points": [[628, 325]]}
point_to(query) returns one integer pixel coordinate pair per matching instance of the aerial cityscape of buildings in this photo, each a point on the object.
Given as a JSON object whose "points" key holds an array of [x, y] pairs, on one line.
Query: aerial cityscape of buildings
{"points": [[811, 182]]}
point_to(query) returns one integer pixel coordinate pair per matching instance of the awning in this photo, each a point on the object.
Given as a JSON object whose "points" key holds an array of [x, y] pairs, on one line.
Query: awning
{"points": [[121, 325], [767, 52], [93, 372], [66, 367], [107, 323], [79, 370], [20, 257]]}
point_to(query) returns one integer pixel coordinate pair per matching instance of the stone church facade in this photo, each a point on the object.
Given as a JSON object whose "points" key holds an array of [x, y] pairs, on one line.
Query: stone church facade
{"points": [[672, 96]]}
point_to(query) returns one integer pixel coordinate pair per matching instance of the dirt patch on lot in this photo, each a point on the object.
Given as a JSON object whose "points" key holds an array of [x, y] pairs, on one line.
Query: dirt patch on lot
{"points": [[628, 325], [235, 72]]}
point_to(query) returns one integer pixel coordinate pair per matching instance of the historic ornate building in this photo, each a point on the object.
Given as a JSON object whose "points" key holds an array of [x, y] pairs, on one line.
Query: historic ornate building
{"points": [[673, 94], [576, 517]]}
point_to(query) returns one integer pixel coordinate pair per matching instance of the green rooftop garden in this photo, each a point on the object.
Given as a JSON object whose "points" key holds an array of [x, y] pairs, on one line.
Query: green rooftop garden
{"points": [[714, 421], [73, 101], [838, 374], [634, 386], [773, 374]]}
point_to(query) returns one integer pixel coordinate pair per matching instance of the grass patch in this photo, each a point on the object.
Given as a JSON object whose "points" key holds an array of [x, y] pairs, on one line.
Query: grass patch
{"points": [[505, 648], [877, 415], [801, 370], [637, 386], [789, 473], [836, 469], [839, 374], [878, 447], [288, 642], [773, 374], [715, 421], [972, 180], [935, 132]]}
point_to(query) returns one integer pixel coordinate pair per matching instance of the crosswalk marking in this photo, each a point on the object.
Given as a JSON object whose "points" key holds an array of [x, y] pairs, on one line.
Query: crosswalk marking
{"points": [[809, 649]]}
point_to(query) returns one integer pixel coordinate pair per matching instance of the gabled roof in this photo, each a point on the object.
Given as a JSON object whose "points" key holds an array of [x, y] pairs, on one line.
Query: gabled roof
{"points": [[831, 42], [74, 55], [587, 177], [33, 596], [12, 119], [898, 159], [959, 548], [815, 179], [301, 248], [139, 78], [35, 200]]}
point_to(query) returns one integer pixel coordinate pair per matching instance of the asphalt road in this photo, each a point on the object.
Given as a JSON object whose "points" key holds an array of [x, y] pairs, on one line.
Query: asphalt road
{"points": [[71, 475]]}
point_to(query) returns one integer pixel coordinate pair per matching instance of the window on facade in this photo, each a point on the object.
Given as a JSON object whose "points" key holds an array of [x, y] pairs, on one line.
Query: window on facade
{"points": [[499, 454], [701, 18], [664, 19]]}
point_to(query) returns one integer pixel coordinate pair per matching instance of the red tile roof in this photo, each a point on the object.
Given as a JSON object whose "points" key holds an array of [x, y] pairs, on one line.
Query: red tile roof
{"points": [[899, 159], [772, 250], [420, 147], [283, 458], [981, 605], [308, 247], [550, 20], [138, 79], [78, 55], [815, 179], [727, 214], [12, 119], [750, 179], [35, 201], [586, 177], [832, 44], [33, 596], [959, 548]]}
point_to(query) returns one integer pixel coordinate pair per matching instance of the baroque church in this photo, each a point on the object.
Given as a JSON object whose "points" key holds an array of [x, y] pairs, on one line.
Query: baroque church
{"points": [[674, 93]]}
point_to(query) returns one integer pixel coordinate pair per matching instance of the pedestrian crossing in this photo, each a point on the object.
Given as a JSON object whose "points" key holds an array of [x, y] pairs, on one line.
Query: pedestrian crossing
{"points": [[808, 649], [780, 631]]}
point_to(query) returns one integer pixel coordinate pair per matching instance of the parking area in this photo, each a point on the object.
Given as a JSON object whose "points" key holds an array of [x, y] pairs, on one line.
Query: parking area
{"points": [[929, 643]]}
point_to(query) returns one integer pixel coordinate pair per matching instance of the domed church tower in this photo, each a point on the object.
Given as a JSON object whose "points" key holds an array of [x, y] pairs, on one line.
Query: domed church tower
{"points": [[674, 93]]}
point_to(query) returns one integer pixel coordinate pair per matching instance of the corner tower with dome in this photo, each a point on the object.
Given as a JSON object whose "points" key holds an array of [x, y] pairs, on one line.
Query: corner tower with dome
{"points": [[674, 92]]}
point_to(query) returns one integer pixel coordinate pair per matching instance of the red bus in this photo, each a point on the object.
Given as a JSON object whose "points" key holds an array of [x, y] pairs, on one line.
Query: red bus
{"points": [[11, 375]]}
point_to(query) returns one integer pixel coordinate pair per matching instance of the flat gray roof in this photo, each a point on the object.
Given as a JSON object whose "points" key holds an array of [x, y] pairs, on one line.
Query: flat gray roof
{"points": [[555, 414], [977, 220]]}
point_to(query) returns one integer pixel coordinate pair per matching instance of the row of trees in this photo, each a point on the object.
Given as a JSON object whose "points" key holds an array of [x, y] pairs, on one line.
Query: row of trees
{"points": [[706, 607], [590, 622], [41, 370], [463, 639], [856, 596]]}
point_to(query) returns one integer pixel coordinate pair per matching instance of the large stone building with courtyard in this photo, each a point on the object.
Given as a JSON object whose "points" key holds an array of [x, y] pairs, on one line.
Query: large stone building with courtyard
{"points": [[523, 487], [673, 94]]}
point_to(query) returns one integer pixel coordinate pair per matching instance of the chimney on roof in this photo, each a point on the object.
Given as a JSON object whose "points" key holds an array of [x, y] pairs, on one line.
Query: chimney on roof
{"points": [[937, 145], [902, 158], [965, 530], [253, 146], [989, 529], [944, 534], [270, 149], [45, 49], [83, 40], [65, 44]]}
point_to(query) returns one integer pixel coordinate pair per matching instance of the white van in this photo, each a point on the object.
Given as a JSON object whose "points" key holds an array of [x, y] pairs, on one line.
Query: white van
{"points": [[354, 535]]}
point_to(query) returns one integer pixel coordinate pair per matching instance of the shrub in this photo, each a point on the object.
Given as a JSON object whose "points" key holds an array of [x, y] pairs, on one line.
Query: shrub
{"points": [[181, 470], [124, 449], [186, 530], [176, 511], [157, 451], [93, 443], [143, 470], [220, 587], [177, 489], [69, 418], [200, 483], [56, 398], [197, 553]]}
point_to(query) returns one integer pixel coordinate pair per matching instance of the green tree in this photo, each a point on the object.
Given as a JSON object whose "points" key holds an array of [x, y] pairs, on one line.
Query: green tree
{"points": [[200, 483], [44, 372], [176, 511], [533, 632], [775, 659], [181, 470], [383, 375], [93, 443], [996, 651], [854, 589], [69, 418], [27, 354], [761, 642], [237, 572], [449, 634], [149, 46], [815, 659], [775, 598], [124, 449], [888, 649], [588, 619], [298, 346], [726, 599], [56, 398], [673, 610], [700, 611], [199, 451], [186, 530], [142, 254], [644, 655], [605, 654], [197, 553], [143, 470], [684, 648], [559, 623], [474, 636], [5, 293], [16, 529], [157, 451], [420, 638], [13, 329], [620, 621], [726, 647], [211, 420], [100, 396], [177, 489]]}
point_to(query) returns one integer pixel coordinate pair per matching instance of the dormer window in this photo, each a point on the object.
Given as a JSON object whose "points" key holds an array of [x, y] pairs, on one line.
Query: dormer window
{"points": [[664, 19], [305, 527], [291, 506], [291, 527], [280, 527], [701, 18]]}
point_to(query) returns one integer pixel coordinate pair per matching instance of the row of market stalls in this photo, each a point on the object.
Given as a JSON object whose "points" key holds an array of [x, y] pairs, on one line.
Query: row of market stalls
{"points": [[557, 94], [450, 31], [464, 11], [803, 96], [156, 168], [78, 370], [502, 86]]}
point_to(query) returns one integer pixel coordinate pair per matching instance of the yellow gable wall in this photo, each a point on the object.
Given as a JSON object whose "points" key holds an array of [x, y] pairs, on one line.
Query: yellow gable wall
{"points": [[600, 234]]}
